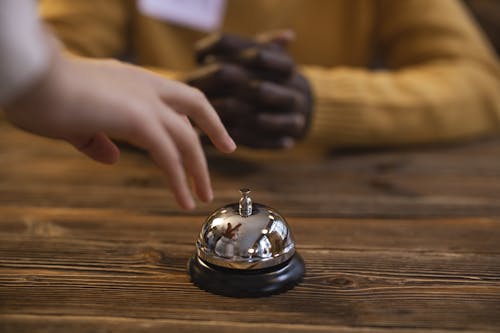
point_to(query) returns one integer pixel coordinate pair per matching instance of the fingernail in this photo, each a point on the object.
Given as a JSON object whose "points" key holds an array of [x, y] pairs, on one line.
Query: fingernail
{"points": [[230, 145], [190, 205], [210, 196]]}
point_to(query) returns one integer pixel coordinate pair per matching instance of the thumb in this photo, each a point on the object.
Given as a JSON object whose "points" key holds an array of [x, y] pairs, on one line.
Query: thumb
{"points": [[99, 148]]}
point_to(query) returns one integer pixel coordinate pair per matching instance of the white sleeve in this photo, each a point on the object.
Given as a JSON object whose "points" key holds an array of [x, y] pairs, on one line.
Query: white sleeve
{"points": [[24, 51]]}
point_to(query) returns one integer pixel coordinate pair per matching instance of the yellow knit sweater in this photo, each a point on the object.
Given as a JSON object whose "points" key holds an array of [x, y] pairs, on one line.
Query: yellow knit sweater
{"points": [[437, 78]]}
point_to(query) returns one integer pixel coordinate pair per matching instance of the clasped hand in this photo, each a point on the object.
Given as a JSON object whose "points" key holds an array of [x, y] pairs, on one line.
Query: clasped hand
{"points": [[254, 86]]}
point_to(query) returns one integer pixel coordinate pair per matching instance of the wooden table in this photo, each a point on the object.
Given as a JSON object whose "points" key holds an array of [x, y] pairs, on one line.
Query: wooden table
{"points": [[401, 240]]}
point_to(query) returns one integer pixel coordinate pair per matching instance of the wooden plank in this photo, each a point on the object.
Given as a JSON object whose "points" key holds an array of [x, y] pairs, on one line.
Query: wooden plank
{"points": [[312, 191], [314, 204], [91, 324], [95, 262], [451, 181], [457, 235], [346, 289], [87, 247]]}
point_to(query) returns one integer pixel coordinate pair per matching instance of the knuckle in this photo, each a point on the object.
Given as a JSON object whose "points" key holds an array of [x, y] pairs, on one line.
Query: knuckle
{"points": [[299, 122], [184, 131], [139, 122], [300, 102], [230, 73], [137, 128]]}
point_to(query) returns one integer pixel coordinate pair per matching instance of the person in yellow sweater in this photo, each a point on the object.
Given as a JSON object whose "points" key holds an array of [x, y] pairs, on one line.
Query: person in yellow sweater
{"points": [[368, 73]]}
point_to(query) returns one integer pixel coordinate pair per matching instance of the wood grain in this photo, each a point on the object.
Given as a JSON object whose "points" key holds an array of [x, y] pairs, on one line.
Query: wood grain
{"points": [[406, 241], [454, 181], [93, 262]]}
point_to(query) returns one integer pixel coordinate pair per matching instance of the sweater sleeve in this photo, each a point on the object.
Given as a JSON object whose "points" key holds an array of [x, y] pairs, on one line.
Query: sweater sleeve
{"points": [[90, 28], [441, 82], [94, 28]]}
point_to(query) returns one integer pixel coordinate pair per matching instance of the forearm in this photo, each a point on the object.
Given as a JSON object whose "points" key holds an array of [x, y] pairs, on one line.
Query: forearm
{"points": [[25, 49], [435, 102]]}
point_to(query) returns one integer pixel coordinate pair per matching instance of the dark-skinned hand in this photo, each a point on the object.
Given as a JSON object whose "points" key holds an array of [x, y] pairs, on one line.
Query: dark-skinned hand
{"points": [[262, 99]]}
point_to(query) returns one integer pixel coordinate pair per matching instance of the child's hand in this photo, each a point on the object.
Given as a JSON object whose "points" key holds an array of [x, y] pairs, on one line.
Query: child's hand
{"points": [[87, 102]]}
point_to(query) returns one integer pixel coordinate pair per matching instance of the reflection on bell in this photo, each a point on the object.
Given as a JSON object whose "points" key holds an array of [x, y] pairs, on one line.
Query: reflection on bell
{"points": [[245, 249]]}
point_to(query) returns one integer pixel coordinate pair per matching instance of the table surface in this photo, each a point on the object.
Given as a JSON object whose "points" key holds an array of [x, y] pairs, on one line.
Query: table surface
{"points": [[407, 240]]}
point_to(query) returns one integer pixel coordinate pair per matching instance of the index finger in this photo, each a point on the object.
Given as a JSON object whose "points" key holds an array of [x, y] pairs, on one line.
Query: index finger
{"points": [[193, 103]]}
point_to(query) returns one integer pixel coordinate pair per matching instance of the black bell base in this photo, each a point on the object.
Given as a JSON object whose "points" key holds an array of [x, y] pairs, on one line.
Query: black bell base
{"points": [[246, 283]]}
